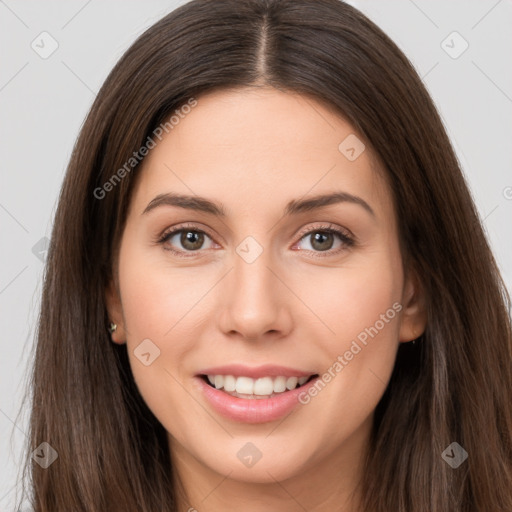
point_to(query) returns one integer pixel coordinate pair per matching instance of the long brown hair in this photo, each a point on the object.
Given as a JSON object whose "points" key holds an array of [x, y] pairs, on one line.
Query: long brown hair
{"points": [[453, 385]]}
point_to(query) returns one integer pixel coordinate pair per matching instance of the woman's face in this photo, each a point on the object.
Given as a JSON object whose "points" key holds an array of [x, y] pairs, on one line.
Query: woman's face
{"points": [[282, 285]]}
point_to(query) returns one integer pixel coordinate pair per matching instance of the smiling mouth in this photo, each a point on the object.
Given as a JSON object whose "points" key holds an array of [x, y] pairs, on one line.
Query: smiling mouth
{"points": [[249, 388]]}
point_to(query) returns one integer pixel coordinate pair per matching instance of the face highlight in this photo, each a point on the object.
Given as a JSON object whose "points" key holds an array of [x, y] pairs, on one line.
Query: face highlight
{"points": [[255, 253]]}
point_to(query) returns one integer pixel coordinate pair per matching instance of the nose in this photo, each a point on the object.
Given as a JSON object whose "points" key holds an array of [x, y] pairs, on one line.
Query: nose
{"points": [[254, 302]]}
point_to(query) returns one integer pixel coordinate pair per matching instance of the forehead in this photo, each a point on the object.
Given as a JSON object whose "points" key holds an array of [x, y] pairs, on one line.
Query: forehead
{"points": [[252, 147]]}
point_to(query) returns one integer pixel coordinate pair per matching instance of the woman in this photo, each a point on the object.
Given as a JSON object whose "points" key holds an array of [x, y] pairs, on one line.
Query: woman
{"points": [[268, 287]]}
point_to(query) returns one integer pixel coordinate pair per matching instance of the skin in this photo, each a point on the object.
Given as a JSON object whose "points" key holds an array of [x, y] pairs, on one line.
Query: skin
{"points": [[253, 150]]}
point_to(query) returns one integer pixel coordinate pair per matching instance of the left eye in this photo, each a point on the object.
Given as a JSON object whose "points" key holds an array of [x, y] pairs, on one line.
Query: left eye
{"points": [[323, 240]]}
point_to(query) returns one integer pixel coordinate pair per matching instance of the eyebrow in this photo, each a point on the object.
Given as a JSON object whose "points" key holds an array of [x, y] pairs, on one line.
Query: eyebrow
{"points": [[293, 207]]}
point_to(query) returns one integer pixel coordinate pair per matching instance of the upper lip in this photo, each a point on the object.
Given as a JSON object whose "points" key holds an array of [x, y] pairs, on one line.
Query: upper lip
{"points": [[255, 372]]}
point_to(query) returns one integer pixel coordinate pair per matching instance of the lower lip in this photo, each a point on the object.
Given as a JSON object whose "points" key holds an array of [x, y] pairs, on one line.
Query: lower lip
{"points": [[257, 410]]}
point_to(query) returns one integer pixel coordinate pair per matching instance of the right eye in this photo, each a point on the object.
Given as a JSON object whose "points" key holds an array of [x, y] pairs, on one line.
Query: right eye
{"points": [[190, 238]]}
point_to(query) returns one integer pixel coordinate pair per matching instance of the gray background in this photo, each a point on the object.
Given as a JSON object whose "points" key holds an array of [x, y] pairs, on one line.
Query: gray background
{"points": [[43, 102]]}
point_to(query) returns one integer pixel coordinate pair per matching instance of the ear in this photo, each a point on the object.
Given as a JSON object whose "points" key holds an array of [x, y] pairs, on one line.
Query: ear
{"points": [[414, 312], [115, 313]]}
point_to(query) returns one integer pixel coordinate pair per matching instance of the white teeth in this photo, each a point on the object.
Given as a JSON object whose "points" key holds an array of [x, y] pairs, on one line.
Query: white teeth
{"points": [[245, 385], [262, 387], [279, 384], [229, 383], [291, 383], [219, 381]]}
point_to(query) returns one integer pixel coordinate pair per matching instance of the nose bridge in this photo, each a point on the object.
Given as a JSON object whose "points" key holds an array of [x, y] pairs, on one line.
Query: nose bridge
{"points": [[253, 281], [252, 304]]}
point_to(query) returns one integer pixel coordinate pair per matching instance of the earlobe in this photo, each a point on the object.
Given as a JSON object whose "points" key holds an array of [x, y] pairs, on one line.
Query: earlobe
{"points": [[414, 312], [115, 314]]}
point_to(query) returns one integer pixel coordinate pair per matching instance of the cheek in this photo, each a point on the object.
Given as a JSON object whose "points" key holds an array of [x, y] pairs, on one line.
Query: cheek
{"points": [[155, 303], [361, 307], [349, 299], [157, 296]]}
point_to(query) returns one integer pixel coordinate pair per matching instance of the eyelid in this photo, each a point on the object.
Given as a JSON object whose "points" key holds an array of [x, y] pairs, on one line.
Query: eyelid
{"points": [[327, 226], [192, 226]]}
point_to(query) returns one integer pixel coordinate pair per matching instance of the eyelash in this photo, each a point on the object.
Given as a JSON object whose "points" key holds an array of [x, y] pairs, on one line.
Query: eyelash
{"points": [[347, 240]]}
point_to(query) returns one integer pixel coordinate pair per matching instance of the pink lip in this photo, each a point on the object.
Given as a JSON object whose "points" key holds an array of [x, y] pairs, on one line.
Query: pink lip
{"points": [[252, 410], [255, 372]]}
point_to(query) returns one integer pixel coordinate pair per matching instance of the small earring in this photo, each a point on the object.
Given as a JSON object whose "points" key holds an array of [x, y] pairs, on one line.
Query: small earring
{"points": [[112, 327]]}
